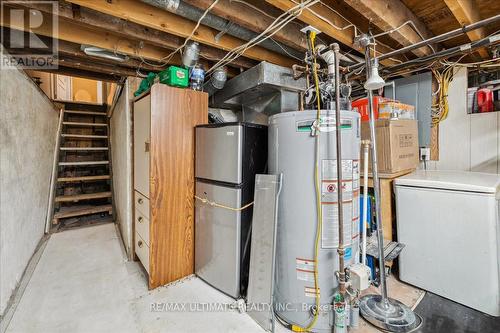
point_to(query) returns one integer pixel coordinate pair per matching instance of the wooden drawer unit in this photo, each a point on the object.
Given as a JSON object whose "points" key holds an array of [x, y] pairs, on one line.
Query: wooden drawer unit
{"points": [[142, 251], [142, 226], [141, 204], [164, 122]]}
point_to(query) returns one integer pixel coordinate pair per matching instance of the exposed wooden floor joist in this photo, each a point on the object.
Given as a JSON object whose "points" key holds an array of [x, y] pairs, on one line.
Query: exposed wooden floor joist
{"points": [[389, 15], [97, 20], [466, 13], [162, 20], [344, 36]]}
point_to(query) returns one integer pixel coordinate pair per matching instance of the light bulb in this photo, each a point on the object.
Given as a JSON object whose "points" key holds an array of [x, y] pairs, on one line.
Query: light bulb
{"points": [[374, 81]]}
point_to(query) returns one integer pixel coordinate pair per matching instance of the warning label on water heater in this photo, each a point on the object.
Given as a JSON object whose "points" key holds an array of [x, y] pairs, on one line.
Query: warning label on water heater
{"points": [[329, 199], [355, 214], [305, 269], [355, 174], [311, 292]]}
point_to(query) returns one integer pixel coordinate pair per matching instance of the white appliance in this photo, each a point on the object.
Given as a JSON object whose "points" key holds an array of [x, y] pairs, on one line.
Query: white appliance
{"points": [[448, 221]]}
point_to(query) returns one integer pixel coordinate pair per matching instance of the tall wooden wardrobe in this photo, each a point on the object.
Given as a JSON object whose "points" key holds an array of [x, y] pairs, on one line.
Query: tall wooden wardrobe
{"points": [[164, 121]]}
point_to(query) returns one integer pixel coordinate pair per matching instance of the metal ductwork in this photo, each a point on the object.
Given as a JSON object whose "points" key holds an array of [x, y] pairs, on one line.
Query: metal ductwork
{"points": [[193, 13], [265, 89]]}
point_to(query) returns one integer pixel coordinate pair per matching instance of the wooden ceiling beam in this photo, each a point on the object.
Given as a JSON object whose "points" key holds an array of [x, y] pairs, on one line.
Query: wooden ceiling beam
{"points": [[74, 51], [165, 21], [344, 36], [391, 14], [254, 20], [62, 70], [79, 34], [100, 21], [465, 12], [78, 63]]}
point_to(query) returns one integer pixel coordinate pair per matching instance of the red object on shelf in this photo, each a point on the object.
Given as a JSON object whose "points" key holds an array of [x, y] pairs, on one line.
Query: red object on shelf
{"points": [[485, 100], [361, 105]]}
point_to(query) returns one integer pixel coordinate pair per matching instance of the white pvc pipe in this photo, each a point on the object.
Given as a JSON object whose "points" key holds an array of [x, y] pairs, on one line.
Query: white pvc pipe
{"points": [[366, 145]]}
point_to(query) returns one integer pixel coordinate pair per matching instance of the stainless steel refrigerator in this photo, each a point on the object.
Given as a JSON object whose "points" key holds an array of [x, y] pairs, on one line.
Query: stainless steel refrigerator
{"points": [[228, 155]]}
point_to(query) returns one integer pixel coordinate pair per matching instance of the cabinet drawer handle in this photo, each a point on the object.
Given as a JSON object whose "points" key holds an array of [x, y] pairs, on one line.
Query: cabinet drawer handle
{"points": [[139, 219], [139, 243], [140, 201]]}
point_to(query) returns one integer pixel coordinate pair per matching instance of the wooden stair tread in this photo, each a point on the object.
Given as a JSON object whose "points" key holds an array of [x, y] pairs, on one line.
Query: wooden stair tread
{"points": [[75, 123], [84, 148], [82, 210], [83, 178], [87, 196], [83, 163], [90, 113], [85, 136]]}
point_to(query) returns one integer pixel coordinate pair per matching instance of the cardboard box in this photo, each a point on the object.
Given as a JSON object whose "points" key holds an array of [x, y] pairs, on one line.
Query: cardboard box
{"points": [[397, 144]]}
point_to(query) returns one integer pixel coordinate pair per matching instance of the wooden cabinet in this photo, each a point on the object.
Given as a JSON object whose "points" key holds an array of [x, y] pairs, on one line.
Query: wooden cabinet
{"points": [[164, 121]]}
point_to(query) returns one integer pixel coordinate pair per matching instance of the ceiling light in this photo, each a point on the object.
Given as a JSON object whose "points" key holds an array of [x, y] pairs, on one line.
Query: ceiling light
{"points": [[374, 81]]}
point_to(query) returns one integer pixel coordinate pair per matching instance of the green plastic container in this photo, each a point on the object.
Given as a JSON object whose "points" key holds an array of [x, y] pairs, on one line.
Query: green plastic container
{"points": [[174, 76]]}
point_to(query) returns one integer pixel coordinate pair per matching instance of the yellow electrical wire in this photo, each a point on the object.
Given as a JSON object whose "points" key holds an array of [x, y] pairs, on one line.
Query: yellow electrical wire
{"points": [[441, 107], [215, 204], [297, 328]]}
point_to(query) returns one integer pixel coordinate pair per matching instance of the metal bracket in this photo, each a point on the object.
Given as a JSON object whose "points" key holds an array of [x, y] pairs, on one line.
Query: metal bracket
{"points": [[221, 33], [363, 40]]}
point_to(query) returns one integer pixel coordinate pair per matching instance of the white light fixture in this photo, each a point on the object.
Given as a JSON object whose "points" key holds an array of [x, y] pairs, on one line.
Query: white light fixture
{"points": [[103, 53], [374, 81]]}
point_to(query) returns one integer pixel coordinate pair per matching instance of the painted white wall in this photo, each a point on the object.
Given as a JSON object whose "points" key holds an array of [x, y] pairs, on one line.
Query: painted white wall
{"points": [[467, 142], [28, 129], [121, 157]]}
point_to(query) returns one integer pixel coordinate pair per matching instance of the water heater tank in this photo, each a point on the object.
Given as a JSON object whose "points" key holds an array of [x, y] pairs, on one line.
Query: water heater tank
{"points": [[292, 153]]}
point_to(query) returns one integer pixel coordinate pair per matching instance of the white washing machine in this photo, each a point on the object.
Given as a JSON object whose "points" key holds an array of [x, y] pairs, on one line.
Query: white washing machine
{"points": [[448, 221]]}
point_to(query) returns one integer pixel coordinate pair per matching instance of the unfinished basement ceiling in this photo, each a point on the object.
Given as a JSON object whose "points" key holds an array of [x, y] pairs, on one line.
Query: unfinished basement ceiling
{"points": [[147, 31]]}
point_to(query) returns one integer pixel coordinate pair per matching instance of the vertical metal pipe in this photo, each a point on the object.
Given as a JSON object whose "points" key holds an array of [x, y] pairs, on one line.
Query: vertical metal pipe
{"points": [[366, 147], [338, 133], [376, 185], [378, 214]]}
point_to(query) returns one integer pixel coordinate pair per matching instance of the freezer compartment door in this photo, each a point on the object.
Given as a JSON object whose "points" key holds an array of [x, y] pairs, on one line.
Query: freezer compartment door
{"points": [[217, 238], [219, 152]]}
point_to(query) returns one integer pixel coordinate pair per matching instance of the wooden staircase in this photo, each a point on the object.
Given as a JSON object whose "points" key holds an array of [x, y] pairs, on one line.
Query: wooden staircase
{"points": [[83, 189]]}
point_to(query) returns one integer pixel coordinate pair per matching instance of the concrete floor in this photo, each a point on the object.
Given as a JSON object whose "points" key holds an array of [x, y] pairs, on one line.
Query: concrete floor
{"points": [[83, 283]]}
